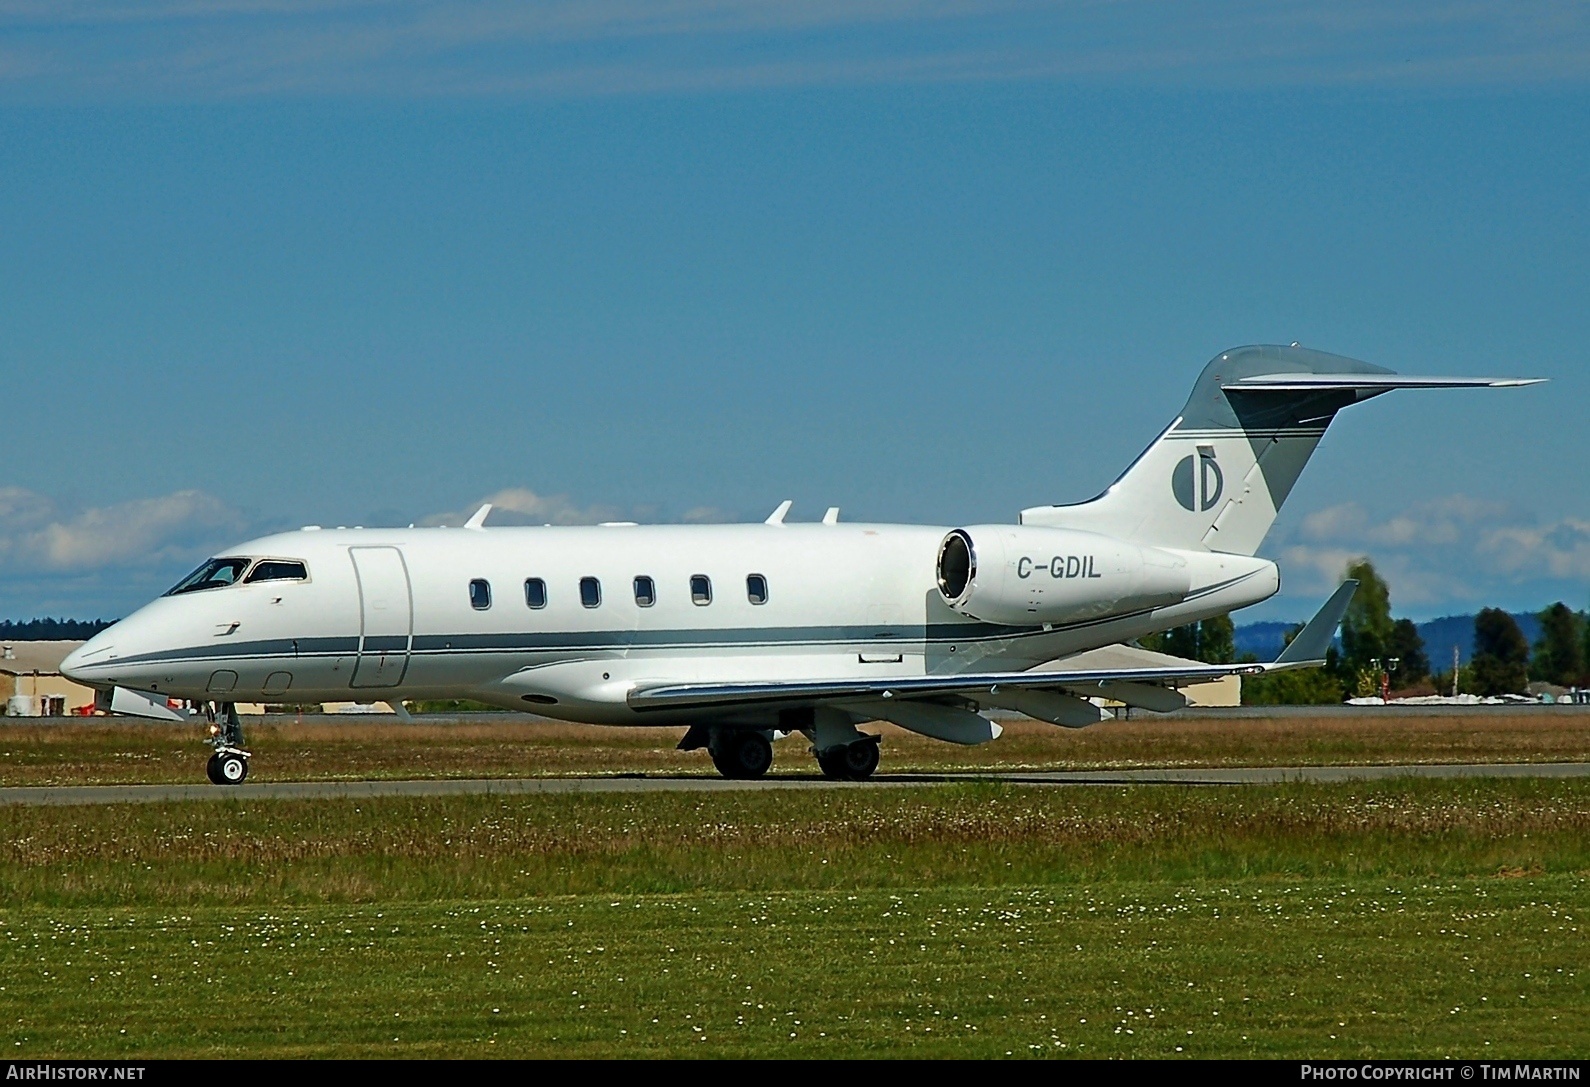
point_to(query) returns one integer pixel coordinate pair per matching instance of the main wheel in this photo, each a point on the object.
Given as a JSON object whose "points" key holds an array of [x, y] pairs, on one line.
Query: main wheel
{"points": [[227, 768], [832, 763], [742, 754], [853, 762], [860, 759]]}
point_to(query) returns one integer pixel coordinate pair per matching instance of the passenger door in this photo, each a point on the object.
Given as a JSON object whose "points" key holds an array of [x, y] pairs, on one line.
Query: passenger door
{"points": [[386, 616]]}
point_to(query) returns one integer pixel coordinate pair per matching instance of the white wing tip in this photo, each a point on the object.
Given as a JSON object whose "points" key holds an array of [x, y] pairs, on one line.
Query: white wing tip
{"points": [[479, 519], [777, 516]]}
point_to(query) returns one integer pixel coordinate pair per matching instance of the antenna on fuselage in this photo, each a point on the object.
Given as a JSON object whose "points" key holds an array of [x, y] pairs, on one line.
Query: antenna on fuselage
{"points": [[777, 516], [479, 520]]}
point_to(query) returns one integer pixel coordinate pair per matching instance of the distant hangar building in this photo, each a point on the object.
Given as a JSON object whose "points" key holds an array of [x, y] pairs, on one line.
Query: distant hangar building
{"points": [[31, 684]]}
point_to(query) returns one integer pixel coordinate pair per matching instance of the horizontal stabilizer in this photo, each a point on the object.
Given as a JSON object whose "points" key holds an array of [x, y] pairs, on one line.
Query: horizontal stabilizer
{"points": [[1314, 640], [1293, 383]]}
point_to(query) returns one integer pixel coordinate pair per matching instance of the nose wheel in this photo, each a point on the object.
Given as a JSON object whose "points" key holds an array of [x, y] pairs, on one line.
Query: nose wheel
{"points": [[229, 764], [227, 768]]}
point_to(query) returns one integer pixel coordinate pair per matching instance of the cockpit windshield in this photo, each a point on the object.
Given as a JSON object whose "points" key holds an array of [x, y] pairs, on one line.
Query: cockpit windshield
{"points": [[278, 570], [215, 574]]}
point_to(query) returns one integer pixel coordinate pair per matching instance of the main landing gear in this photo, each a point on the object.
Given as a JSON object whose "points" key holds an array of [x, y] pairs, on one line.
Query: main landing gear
{"points": [[741, 753], [229, 764], [850, 762], [746, 752]]}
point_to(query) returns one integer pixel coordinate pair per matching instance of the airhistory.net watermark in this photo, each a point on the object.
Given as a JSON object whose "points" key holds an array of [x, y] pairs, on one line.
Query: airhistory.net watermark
{"points": [[58, 1071]]}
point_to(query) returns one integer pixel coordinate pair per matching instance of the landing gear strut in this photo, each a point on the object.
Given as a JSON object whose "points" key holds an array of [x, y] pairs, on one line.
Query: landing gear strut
{"points": [[741, 753], [229, 764], [850, 762]]}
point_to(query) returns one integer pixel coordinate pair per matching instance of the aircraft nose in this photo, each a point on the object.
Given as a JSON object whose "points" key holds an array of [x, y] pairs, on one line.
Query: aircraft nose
{"points": [[79, 663], [69, 666]]}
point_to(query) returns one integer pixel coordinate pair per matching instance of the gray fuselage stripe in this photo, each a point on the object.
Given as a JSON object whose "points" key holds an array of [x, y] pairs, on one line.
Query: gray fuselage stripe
{"points": [[442, 645]]}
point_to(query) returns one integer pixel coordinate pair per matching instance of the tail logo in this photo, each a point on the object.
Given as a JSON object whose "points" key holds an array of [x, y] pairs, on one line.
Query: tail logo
{"points": [[1202, 472]]}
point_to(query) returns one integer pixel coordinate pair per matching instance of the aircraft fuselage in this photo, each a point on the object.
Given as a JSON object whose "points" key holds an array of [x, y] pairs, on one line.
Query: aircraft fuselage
{"points": [[400, 614]]}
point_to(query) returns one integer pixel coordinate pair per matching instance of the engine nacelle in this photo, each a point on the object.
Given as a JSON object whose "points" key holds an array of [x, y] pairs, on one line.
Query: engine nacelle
{"points": [[1020, 575]]}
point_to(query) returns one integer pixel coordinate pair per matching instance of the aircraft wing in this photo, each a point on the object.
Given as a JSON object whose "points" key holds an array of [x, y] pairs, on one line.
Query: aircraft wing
{"points": [[1307, 650], [724, 695]]}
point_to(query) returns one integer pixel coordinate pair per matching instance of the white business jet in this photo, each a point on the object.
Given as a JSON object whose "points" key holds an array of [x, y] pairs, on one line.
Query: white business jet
{"points": [[749, 632]]}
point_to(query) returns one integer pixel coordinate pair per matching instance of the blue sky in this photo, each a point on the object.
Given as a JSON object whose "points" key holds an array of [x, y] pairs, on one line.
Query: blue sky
{"points": [[268, 264]]}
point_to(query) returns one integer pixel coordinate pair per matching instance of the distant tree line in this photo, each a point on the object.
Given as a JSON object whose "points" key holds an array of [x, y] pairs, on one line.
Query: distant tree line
{"points": [[1562, 656], [1213, 641], [1373, 644], [52, 630]]}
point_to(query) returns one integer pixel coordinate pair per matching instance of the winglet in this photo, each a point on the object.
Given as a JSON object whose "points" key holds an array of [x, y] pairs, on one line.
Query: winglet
{"points": [[479, 520], [1314, 640], [777, 516], [832, 516]]}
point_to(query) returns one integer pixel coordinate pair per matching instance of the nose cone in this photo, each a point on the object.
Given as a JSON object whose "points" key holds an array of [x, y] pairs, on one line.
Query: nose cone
{"points": [[86, 663]]}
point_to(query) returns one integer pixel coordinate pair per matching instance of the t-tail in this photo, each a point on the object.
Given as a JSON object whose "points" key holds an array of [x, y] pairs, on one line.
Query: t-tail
{"points": [[1218, 475]]}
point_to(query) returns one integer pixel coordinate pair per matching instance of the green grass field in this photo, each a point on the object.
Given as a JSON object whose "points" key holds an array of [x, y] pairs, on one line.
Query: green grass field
{"points": [[102, 751], [1425, 918]]}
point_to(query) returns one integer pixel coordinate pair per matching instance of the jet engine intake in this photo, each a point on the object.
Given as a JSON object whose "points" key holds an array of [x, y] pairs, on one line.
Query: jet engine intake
{"points": [[1018, 575]]}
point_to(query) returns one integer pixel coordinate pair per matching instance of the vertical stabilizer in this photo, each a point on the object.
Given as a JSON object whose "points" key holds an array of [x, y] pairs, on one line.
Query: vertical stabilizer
{"points": [[1218, 475]]}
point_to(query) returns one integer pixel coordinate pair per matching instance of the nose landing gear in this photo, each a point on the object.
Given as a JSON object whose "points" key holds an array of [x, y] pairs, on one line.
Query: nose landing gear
{"points": [[229, 764]]}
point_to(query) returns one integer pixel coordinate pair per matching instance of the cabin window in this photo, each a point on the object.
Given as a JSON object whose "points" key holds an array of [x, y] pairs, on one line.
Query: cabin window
{"points": [[701, 589], [756, 588], [645, 591], [590, 592], [480, 594], [277, 570], [215, 574], [535, 592]]}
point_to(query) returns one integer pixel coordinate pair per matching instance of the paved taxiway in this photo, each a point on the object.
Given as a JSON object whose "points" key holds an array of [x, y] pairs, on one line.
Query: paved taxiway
{"points": [[317, 790]]}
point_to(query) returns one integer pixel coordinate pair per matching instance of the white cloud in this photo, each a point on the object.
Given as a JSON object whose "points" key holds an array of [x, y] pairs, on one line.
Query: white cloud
{"points": [[1334, 522], [522, 506], [1449, 551], [1320, 566], [1440, 522], [1559, 550], [1415, 581], [36, 535]]}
